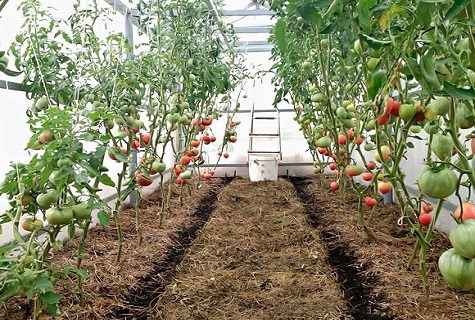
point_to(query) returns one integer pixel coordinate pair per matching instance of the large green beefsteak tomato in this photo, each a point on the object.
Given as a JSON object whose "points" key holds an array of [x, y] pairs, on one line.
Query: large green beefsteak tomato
{"points": [[437, 182], [442, 146], [462, 238], [459, 272]]}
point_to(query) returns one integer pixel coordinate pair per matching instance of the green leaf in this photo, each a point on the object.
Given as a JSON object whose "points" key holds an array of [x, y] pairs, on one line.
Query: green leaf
{"points": [[104, 218], [106, 180], [410, 145], [416, 72], [364, 13], [376, 81], [428, 71], [71, 231], [280, 37], [458, 6], [8, 72], [330, 28], [459, 93], [90, 169], [50, 297], [42, 285]]}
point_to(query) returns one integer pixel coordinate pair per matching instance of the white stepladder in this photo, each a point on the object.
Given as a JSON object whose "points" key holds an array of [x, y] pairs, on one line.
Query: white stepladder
{"points": [[265, 152]]}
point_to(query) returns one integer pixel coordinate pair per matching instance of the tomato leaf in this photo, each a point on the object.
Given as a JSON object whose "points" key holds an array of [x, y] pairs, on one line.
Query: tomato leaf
{"points": [[428, 71], [459, 93], [417, 73], [375, 82], [458, 6], [104, 218], [280, 37], [106, 180], [364, 13], [375, 43]]}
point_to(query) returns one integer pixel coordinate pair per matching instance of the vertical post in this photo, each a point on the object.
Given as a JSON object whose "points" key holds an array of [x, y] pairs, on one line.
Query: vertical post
{"points": [[129, 34]]}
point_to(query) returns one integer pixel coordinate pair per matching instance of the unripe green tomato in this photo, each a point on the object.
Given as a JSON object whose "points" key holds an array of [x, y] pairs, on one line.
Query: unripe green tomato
{"points": [[59, 216], [81, 211]]}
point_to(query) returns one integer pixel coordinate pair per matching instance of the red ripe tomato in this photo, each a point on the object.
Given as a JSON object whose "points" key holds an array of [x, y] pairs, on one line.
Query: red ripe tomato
{"points": [[195, 143], [194, 122], [425, 219], [321, 150], [145, 138], [142, 180], [232, 139], [207, 121], [332, 166], [472, 145], [181, 181], [200, 128], [212, 138], [370, 202], [351, 134], [384, 119], [420, 116], [226, 155], [185, 160], [468, 212], [207, 175], [220, 153], [135, 144], [394, 106], [341, 139], [179, 169], [427, 207], [384, 187], [367, 176], [193, 152], [371, 165], [205, 137], [359, 140], [334, 186]]}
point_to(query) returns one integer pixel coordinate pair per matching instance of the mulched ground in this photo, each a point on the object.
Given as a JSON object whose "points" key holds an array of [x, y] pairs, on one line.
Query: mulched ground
{"points": [[270, 250]]}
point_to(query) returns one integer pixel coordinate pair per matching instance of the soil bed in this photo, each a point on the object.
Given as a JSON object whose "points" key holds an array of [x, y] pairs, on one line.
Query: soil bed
{"points": [[383, 262], [267, 250]]}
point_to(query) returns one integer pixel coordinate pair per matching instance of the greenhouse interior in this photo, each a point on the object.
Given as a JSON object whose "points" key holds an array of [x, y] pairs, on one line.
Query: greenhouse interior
{"points": [[237, 159]]}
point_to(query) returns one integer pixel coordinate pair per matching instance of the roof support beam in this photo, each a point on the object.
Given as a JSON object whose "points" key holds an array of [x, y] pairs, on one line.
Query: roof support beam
{"points": [[246, 13], [124, 9], [252, 29]]}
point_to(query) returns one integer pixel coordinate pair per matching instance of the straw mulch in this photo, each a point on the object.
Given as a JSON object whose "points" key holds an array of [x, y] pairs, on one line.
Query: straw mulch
{"points": [[257, 258], [387, 257]]}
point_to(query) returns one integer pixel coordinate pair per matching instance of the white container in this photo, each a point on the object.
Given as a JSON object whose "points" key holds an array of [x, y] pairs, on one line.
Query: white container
{"points": [[263, 167]]}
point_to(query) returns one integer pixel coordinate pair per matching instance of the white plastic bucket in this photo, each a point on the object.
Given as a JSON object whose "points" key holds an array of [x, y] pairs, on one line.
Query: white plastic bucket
{"points": [[262, 167]]}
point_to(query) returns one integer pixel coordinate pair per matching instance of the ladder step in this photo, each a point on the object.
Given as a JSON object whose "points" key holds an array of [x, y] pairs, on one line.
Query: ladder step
{"points": [[264, 134], [265, 118], [255, 151]]}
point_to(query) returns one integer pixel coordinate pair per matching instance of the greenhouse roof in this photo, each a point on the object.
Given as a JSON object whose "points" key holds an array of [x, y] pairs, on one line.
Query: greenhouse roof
{"points": [[251, 21]]}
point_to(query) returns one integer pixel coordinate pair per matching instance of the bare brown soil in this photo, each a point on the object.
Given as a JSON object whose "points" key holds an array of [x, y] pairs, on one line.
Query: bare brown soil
{"points": [[289, 249]]}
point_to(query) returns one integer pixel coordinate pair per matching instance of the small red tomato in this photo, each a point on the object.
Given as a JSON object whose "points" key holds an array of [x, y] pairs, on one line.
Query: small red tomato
{"points": [[425, 219], [332, 166], [359, 140], [370, 202], [232, 139], [427, 207], [321, 150], [367, 176], [351, 134], [384, 187], [195, 143], [371, 165], [212, 138], [226, 155], [394, 106], [135, 144], [341, 139], [185, 160], [145, 138], [334, 186]]}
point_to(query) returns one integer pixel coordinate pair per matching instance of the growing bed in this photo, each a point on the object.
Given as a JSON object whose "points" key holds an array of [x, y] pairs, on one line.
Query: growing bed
{"points": [[269, 250]]}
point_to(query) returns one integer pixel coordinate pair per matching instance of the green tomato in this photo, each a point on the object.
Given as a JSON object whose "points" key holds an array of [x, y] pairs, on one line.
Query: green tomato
{"points": [[185, 174], [459, 272], [324, 142], [372, 63], [173, 118], [341, 113], [437, 182], [471, 77], [407, 111], [415, 128], [109, 123], [59, 216], [45, 200], [369, 146], [41, 104], [462, 238], [441, 105], [64, 162], [442, 146], [464, 116], [159, 166], [307, 66], [81, 211], [432, 127], [370, 125]]}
